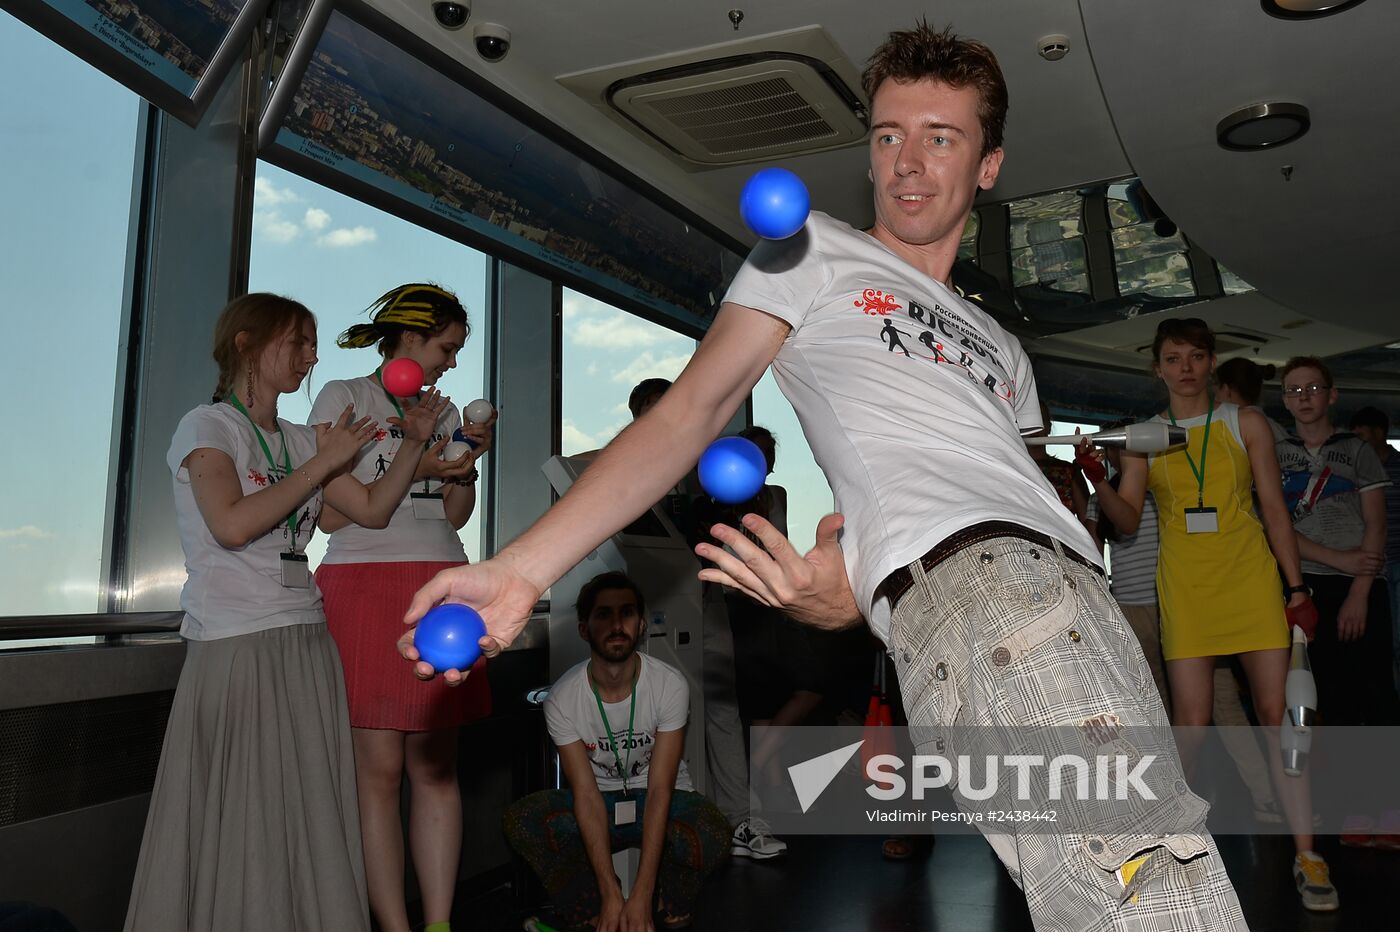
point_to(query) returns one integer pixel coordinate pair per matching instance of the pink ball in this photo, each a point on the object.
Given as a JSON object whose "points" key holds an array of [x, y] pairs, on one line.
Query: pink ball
{"points": [[402, 377]]}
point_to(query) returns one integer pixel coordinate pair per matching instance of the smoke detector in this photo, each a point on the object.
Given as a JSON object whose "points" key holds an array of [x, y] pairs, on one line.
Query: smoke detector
{"points": [[1052, 48]]}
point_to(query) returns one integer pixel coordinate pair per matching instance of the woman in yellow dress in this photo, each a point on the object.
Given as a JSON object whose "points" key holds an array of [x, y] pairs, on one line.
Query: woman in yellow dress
{"points": [[1218, 567]]}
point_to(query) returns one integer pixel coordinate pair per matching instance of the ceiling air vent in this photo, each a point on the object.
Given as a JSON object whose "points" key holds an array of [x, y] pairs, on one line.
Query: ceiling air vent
{"points": [[746, 101], [744, 109]]}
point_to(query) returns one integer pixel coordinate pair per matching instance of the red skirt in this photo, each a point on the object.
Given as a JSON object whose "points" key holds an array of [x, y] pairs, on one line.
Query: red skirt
{"points": [[365, 604]]}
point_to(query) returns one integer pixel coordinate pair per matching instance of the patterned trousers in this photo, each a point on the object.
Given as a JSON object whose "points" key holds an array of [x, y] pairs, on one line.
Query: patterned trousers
{"points": [[542, 829], [1008, 634]]}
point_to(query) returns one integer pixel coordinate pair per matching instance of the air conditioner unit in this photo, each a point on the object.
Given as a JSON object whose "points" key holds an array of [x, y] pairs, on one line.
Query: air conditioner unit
{"points": [[747, 101]]}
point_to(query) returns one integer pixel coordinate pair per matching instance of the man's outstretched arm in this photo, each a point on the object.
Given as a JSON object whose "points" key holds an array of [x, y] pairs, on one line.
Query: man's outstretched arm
{"points": [[629, 475]]}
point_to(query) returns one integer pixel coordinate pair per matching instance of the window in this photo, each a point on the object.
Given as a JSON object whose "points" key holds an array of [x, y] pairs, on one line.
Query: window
{"points": [[809, 497], [336, 255], [607, 351], [68, 148]]}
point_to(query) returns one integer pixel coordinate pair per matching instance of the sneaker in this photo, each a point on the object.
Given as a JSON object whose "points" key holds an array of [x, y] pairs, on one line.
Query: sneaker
{"points": [[1311, 875], [754, 839]]}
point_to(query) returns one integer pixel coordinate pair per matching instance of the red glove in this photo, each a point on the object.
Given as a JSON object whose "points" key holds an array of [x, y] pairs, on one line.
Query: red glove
{"points": [[1304, 615], [1089, 464]]}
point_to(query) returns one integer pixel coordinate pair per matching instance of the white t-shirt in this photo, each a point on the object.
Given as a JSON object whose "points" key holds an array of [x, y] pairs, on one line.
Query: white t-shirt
{"points": [[912, 400], [406, 539], [663, 704], [233, 592]]}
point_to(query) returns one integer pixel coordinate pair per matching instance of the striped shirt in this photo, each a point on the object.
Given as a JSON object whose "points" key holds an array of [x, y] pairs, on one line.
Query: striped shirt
{"points": [[1133, 559]]}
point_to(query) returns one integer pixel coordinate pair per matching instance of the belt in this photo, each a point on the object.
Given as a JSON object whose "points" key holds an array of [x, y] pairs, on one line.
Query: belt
{"points": [[902, 580]]}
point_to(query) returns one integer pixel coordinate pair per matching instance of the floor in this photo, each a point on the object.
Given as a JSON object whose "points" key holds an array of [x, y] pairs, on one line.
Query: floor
{"points": [[826, 884]]}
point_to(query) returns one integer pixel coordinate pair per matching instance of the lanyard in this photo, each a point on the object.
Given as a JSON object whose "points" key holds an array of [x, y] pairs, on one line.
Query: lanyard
{"points": [[395, 402], [1200, 474], [272, 464], [623, 769]]}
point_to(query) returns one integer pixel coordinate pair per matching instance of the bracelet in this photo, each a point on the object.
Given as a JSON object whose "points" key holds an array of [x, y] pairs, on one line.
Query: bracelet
{"points": [[307, 476]]}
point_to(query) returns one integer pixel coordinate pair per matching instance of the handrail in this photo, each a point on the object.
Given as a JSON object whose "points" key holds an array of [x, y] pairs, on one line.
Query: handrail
{"points": [[36, 627], [96, 625]]}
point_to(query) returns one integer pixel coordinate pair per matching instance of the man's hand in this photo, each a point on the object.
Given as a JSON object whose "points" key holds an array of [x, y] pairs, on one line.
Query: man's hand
{"points": [[812, 589], [1357, 562], [636, 915], [1351, 620], [503, 596], [610, 916]]}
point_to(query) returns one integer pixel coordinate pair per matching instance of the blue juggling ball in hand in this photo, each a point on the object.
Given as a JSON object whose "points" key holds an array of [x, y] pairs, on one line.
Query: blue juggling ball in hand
{"points": [[774, 203], [732, 470], [447, 637]]}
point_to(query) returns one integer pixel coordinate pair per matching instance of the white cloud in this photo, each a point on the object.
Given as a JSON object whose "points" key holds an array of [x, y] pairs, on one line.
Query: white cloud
{"points": [[24, 532], [647, 366], [349, 236], [267, 194], [577, 440], [316, 219], [272, 225], [581, 305], [622, 331]]}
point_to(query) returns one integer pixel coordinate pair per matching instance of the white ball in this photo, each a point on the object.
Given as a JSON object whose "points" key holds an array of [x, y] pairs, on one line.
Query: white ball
{"points": [[455, 450], [479, 411]]}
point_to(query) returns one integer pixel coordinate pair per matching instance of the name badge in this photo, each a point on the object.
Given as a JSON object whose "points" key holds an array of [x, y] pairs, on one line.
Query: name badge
{"points": [[296, 571], [625, 812], [1201, 521], [428, 506]]}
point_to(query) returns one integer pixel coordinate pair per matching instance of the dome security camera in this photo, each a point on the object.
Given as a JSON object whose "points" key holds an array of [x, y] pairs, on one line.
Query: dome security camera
{"points": [[450, 14], [492, 41]]}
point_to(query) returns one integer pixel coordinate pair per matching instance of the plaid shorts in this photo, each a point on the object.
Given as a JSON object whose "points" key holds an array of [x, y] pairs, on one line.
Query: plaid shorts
{"points": [[1007, 633]]}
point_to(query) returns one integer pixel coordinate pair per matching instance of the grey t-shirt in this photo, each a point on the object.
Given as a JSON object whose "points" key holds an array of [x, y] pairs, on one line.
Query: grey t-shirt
{"points": [[1322, 489]]}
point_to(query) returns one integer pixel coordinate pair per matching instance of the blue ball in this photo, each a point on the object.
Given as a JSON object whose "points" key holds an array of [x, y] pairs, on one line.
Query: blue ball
{"points": [[732, 470], [447, 637], [459, 437], [774, 203]]}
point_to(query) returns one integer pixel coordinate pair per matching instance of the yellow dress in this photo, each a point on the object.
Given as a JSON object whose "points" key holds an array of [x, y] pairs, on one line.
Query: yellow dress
{"points": [[1219, 593]]}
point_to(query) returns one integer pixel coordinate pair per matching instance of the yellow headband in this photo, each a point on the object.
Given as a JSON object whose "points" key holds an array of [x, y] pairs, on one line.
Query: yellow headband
{"points": [[398, 308]]}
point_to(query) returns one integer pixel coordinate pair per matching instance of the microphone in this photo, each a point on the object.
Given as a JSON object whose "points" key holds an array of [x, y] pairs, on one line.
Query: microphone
{"points": [[1147, 437], [1300, 712]]}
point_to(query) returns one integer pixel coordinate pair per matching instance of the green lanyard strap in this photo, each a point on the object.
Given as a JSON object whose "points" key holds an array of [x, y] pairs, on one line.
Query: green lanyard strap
{"points": [[272, 464], [1200, 473], [623, 769]]}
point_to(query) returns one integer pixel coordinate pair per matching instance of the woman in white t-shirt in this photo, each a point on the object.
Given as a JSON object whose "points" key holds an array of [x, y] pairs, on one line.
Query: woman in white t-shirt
{"points": [[253, 822], [400, 724]]}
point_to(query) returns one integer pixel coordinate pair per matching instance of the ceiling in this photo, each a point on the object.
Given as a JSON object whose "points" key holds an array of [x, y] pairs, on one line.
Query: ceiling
{"points": [[1139, 93]]}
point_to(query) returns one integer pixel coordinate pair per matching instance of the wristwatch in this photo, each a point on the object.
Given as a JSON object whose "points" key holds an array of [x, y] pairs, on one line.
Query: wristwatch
{"points": [[1288, 592]]}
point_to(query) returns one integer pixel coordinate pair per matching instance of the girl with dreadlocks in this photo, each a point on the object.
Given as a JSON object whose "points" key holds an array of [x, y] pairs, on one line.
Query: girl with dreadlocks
{"points": [[368, 576], [252, 823]]}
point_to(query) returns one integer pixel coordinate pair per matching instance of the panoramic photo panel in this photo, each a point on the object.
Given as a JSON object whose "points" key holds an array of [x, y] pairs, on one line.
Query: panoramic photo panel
{"points": [[374, 113]]}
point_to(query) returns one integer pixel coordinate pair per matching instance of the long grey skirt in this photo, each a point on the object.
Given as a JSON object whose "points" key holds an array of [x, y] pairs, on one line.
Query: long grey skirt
{"points": [[254, 822]]}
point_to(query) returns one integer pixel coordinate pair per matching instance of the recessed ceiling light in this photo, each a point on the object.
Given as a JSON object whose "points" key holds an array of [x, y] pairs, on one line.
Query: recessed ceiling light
{"points": [[1262, 126], [1305, 9]]}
